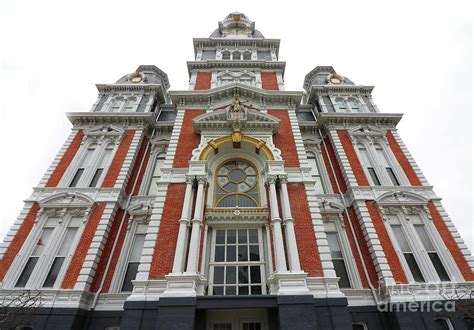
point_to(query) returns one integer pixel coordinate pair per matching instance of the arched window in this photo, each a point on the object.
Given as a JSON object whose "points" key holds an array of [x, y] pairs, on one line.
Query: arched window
{"points": [[341, 104], [86, 161], [236, 185], [353, 104], [130, 104], [364, 159], [247, 56], [236, 55], [117, 104], [226, 55]]}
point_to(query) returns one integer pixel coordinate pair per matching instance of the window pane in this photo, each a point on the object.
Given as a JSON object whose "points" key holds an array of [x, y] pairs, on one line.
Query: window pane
{"points": [[341, 272], [53, 272], [243, 290], [26, 273], [242, 236], [218, 291], [220, 236], [218, 275], [219, 257], [334, 246], [137, 248], [42, 242], [400, 236], [96, 177], [243, 253], [392, 176], [230, 290], [230, 275], [256, 289], [374, 176], [231, 236], [423, 235], [415, 270], [243, 274], [76, 177], [67, 242], [253, 236], [255, 274], [231, 253], [442, 324], [132, 270], [254, 253], [438, 265]]}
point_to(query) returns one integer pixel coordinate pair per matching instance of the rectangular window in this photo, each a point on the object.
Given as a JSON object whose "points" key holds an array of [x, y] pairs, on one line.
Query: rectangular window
{"points": [[133, 262], [35, 255], [338, 260], [96, 177], [237, 262], [61, 255], [373, 175], [103, 163], [76, 177], [315, 174], [432, 253], [392, 176], [153, 189], [407, 253]]}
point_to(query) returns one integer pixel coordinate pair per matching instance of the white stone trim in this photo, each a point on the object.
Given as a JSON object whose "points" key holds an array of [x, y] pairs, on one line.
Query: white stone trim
{"points": [[15, 228], [377, 253], [455, 234], [342, 160], [173, 143]]}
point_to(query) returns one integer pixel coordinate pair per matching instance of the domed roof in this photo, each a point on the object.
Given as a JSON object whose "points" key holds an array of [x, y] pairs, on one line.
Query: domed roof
{"points": [[146, 74], [325, 75], [236, 25]]}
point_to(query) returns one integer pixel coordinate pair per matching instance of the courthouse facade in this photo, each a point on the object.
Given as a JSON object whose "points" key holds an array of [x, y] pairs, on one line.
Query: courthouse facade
{"points": [[235, 204]]}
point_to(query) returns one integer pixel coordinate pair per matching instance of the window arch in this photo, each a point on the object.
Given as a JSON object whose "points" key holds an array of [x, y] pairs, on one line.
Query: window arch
{"points": [[341, 104], [117, 104], [236, 184], [226, 55], [353, 104], [130, 104], [236, 55], [247, 56]]}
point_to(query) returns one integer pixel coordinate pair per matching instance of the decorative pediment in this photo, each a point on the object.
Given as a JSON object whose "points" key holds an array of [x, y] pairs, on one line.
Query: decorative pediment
{"points": [[331, 207], [401, 198], [236, 116], [101, 133], [76, 203]]}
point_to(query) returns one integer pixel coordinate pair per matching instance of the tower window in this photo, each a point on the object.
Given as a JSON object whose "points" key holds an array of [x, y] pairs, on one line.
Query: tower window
{"points": [[407, 253], [338, 260], [133, 261], [341, 104], [353, 105], [315, 173], [82, 166], [236, 185], [226, 55], [431, 251]]}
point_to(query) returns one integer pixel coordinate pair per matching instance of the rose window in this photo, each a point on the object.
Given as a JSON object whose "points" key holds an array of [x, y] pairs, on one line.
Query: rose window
{"points": [[236, 185]]}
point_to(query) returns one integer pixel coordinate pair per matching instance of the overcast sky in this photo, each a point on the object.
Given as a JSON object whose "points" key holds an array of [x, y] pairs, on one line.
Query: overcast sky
{"points": [[418, 54]]}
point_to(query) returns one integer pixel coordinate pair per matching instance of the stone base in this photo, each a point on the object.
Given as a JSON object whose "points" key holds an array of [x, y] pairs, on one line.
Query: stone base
{"points": [[288, 284], [324, 287], [185, 285]]}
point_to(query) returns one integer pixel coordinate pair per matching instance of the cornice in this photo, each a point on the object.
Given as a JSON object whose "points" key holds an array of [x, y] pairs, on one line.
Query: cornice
{"points": [[251, 42], [209, 97], [231, 64], [142, 88], [344, 120], [125, 118]]}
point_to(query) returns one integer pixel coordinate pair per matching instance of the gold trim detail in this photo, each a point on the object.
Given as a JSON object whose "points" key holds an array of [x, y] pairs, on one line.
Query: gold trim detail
{"points": [[260, 145]]}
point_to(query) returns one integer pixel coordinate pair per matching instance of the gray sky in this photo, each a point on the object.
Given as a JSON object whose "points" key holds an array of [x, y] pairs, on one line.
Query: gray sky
{"points": [[418, 54]]}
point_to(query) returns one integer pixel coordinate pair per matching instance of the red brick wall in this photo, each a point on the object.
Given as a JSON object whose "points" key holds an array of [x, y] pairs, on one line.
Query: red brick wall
{"points": [[450, 243], [363, 248], [203, 80], [66, 160], [163, 256], [104, 259], [82, 247], [188, 140], [305, 238], [284, 140], [337, 169], [269, 81], [117, 162], [402, 160], [353, 159], [18, 240], [391, 255], [136, 167]]}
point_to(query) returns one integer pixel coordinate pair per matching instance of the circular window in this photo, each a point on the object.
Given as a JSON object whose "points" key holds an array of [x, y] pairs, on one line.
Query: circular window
{"points": [[236, 185]]}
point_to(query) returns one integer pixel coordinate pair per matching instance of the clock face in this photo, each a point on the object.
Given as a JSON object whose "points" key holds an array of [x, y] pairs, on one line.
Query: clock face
{"points": [[335, 80], [136, 79]]}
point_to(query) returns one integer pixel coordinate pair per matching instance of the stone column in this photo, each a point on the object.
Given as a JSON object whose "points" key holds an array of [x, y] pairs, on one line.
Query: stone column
{"points": [[194, 244], [277, 231], [180, 252], [293, 256]]}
